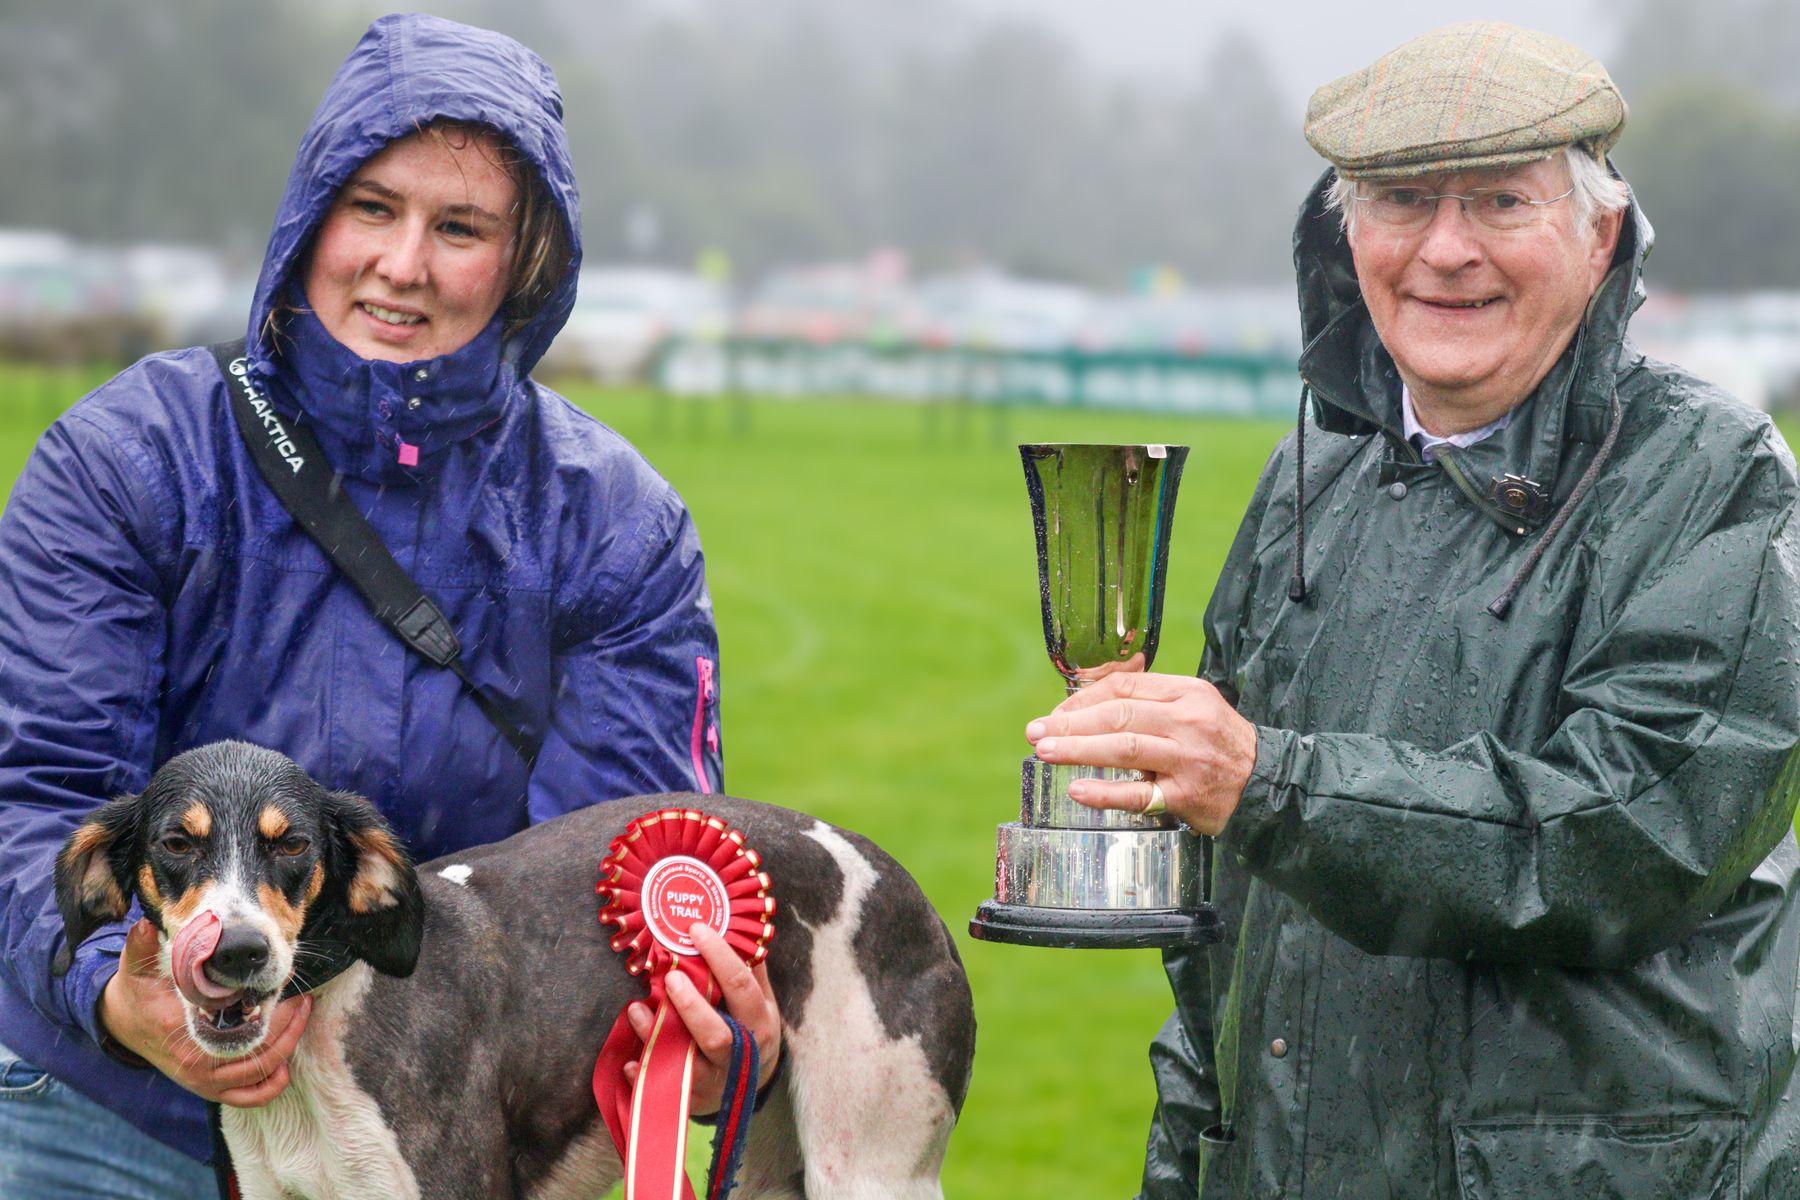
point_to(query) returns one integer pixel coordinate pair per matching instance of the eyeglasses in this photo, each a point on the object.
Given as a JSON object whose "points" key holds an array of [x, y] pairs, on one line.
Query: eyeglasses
{"points": [[1408, 209]]}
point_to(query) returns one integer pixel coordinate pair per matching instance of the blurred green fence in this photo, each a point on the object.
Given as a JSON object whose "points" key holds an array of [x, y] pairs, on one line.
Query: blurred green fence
{"points": [[1155, 382]]}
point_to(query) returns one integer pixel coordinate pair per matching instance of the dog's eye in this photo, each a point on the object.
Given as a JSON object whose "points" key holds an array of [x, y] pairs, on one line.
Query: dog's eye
{"points": [[292, 845], [178, 843]]}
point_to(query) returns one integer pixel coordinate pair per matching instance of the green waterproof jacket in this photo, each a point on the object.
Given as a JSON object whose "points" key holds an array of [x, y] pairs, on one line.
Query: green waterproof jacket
{"points": [[1509, 903]]}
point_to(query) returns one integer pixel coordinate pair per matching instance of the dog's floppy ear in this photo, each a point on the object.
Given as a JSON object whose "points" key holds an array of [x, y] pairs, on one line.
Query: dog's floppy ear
{"points": [[383, 916], [93, 875]]}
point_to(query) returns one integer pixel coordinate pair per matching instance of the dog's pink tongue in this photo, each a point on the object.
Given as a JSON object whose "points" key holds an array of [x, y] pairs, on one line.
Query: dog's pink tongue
{"points": [[193, 946]]}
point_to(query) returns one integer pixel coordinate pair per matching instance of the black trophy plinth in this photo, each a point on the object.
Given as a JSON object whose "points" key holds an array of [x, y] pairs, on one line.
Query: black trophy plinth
{"points": [[1095, 929]]}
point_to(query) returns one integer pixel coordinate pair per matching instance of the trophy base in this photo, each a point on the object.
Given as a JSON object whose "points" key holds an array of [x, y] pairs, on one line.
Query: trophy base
{"points": [[1096, 929]]}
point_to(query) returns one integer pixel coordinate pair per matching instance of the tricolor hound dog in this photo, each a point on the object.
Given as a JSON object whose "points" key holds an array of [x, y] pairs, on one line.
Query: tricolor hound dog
{"points": [[452, 1057]]}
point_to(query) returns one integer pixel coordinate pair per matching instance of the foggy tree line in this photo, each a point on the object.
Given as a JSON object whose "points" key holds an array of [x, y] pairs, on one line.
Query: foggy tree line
{"points": [[795, 130], [1713, 144]]}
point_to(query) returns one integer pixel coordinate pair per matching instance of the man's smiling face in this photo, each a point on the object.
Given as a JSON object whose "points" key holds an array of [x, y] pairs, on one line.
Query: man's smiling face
{"points": [[1474, 317]]}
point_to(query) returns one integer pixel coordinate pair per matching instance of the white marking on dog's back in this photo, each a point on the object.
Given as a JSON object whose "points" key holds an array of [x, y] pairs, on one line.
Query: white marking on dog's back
{"points": [[873, 1120], [457, 873], [324, 1137]]}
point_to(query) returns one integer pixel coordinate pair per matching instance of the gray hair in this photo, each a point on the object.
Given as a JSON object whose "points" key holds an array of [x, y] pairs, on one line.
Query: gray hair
{"points": [[1597, 190]]}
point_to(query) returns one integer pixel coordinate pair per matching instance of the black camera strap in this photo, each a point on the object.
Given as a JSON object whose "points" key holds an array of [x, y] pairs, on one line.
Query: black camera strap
{"points": [[295, 468]]}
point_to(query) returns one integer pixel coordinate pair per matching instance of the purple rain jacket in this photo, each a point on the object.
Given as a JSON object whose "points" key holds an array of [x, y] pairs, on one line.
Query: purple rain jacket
{"points": [[154, 594]]}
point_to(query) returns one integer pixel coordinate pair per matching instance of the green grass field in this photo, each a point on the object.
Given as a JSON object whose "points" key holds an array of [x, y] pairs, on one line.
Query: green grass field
{"points": [[873, 572]]}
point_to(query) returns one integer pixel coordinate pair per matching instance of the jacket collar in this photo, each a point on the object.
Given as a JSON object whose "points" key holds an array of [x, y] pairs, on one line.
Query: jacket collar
{"points": [[1356, 388], [364, 413]]}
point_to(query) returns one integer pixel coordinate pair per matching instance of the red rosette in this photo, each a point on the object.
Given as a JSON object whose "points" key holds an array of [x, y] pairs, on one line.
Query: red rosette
{"points": [[667, 871], [725, 878]]}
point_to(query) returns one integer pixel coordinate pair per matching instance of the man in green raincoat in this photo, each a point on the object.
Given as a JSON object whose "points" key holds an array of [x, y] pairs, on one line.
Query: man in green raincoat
{"points": [[1497, 718]]}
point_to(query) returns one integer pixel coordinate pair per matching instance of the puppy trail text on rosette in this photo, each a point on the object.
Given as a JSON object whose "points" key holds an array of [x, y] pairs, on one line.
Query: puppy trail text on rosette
{"points": [[666, 872]]}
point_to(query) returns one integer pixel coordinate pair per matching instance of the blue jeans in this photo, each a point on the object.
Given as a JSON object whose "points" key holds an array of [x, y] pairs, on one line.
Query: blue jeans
{"points": [[56, 1144]]}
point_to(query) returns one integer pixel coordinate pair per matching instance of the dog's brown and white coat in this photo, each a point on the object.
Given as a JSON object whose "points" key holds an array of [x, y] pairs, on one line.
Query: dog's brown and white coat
{"points": [[453, 1057]]}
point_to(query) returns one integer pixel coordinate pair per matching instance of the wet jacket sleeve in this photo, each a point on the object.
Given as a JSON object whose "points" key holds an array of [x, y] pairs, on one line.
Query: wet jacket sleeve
{"points": [[636, 709], [1670, 774], [81, 634]]}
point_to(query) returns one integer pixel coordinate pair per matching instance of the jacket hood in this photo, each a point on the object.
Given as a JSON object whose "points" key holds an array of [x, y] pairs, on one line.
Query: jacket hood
{"points": [[408, 71], [1356, 388]]}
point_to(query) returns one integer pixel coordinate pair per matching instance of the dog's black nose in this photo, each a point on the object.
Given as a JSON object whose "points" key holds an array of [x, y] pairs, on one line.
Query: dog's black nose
{"points": [[240, 953]]}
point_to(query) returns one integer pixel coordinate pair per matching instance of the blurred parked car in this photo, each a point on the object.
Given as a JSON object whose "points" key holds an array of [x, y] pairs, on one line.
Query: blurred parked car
{"points": [[183, 292], [623, 315], [44, 277], [61, 299], [1747, 343], [992, 311], [232, 317], [834, 302]]}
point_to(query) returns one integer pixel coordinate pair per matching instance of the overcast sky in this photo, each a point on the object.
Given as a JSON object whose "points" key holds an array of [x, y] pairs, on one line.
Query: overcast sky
{"points": [[1309, 41]]}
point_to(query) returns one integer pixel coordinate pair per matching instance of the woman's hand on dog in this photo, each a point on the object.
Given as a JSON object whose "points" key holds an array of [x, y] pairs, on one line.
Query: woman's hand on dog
{"points": [[141, 1010], [749, 999]]}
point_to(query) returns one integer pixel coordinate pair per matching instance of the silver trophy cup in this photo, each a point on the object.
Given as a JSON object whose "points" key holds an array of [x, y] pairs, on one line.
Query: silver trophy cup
{"points": [[1067, 875]]}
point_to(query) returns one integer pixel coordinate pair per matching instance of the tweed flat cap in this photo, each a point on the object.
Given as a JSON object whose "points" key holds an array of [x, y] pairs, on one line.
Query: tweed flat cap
{"points": [[1470, 96]]}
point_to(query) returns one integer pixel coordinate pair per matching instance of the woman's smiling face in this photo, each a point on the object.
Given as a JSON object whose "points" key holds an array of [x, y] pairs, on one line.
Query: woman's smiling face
{"points": [[415, 255]]}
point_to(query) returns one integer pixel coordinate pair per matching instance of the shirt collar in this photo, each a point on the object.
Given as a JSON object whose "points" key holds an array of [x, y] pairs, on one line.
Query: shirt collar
{"points": [[1427, 443]]}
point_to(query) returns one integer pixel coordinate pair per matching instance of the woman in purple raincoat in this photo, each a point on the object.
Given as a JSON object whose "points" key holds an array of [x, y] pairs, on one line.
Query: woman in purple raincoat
{"points": [[157, 596]]}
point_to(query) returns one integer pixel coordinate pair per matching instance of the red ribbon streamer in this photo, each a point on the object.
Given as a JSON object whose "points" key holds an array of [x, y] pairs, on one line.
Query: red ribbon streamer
{"points": [[649, 1125]]}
